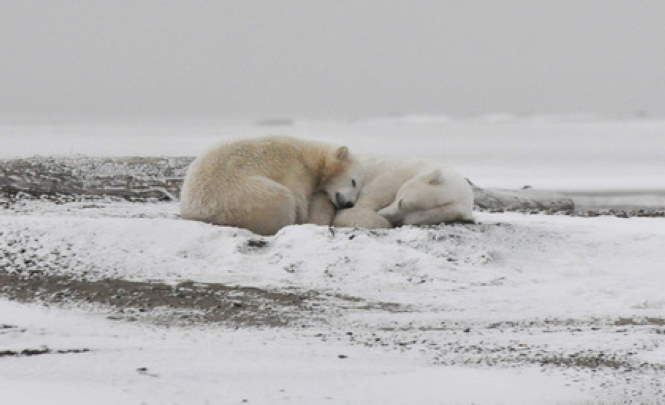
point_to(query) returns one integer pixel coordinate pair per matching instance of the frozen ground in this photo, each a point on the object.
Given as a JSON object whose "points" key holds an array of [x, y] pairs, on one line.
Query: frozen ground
{"points": [[534, 308], [515, 309], [602, 266], [139, 364]]}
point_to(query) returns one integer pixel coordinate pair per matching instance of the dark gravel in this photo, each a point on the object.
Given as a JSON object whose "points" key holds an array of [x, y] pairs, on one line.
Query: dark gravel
{"points": [[185, 302]]}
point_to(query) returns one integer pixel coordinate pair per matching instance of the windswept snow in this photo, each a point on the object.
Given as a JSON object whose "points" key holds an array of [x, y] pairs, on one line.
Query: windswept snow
{"points": [[510, 266], [514, 289], [136, 364]]}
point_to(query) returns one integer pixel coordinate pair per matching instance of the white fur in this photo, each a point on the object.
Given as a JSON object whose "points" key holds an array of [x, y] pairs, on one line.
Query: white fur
{"points": [[439, 195], [344, 189], [264, 184], [428, 195]]}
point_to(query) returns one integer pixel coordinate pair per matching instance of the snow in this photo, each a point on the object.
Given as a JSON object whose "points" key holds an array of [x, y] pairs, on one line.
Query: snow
{"points": [[261, 366], [569, 279], [579, 267]]}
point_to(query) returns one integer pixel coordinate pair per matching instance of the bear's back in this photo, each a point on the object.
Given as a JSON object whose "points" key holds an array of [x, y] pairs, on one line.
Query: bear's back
{"points": [[269, 156]]}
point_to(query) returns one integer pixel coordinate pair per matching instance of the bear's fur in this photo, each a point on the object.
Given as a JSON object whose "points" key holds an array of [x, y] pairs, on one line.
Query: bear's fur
{"points": [[264, 184], [437, 195], [428, 195]]}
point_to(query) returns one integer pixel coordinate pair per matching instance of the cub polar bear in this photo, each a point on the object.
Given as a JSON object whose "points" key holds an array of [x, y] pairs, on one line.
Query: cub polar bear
{"points": [[408, 192], [264, 184]]}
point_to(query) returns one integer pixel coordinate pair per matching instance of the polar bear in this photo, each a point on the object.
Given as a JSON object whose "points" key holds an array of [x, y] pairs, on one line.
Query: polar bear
{"points": [[439, 195], [264, 184], [409, 192]]}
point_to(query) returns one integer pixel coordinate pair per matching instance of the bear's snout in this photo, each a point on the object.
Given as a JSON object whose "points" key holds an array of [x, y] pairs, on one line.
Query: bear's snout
{"points": [[341, 201]]}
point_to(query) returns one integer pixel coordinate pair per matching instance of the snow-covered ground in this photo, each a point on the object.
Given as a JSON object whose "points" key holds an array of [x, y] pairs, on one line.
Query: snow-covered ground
{"points": [[514, 309], [138, 364], [509, 266]]}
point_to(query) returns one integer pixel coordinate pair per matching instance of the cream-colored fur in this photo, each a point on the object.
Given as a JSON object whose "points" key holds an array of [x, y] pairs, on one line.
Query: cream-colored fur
{"points": [[264, 184], [321, 210], [444, 197], [437, 195]]}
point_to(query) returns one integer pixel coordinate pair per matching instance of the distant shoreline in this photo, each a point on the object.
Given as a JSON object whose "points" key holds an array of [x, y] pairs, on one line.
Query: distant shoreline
{"points": [[618, 199]]}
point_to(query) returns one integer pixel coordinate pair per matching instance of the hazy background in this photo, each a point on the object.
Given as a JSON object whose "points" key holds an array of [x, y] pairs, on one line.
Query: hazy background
{"points": [[331, 58]]}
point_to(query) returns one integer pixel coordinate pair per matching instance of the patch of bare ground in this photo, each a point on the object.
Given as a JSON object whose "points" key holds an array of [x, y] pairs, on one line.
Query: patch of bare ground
{"points": [[640, 321], [38, 351], [592, 361], [185, 302], [647, 212]]}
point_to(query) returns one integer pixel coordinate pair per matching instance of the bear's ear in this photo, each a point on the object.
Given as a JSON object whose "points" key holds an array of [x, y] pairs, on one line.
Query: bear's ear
{"points": [[435, 177], [342, 153]]}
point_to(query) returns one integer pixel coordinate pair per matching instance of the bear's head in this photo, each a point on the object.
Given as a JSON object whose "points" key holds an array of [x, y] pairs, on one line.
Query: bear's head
{"points": [[343, 178], [420, 200]]}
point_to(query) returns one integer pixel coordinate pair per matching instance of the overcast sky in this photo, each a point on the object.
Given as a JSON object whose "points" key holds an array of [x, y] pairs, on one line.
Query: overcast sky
{"points": [[331, 58]]}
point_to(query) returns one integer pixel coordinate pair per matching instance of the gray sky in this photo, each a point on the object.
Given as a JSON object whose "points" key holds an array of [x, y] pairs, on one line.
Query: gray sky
{"points": [[331, 58]]}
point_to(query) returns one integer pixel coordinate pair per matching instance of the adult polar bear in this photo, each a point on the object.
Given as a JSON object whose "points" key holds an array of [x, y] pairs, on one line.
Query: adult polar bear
{"points": [[264, 184], [409, 192]]}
